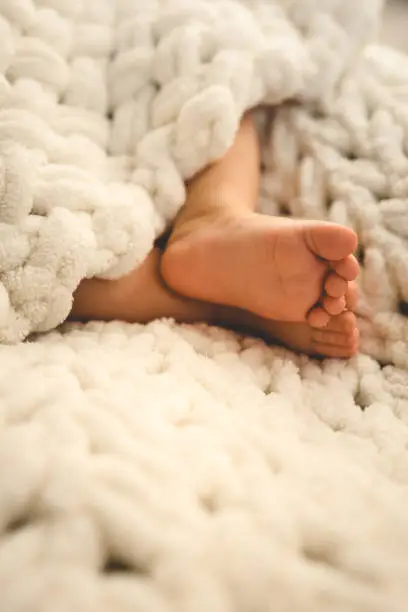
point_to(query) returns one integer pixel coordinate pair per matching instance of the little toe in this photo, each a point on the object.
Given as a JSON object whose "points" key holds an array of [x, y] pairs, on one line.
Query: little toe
{"points": [[334, 306], [318, 318], [347, 268], [335, 286]]}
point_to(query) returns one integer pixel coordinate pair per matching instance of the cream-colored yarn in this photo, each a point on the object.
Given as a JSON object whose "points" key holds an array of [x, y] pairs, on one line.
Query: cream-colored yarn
{"points": [[171, 468], [106, 107], [177, 469], [351, 167]]}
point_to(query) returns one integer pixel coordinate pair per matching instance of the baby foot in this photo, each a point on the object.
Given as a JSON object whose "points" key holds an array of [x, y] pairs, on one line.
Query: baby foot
{"points": [[279, 269]]}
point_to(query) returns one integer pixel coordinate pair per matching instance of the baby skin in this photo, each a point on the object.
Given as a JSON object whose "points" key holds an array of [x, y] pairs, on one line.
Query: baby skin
{"points": [[289, 281]]}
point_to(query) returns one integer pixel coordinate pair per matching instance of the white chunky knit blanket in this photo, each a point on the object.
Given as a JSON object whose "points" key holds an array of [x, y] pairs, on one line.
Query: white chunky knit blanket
{"points": [[172, 468]]}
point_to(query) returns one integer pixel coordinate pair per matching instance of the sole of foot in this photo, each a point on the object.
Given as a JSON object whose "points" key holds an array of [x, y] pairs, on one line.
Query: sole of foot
{"points": [[279, 269]]}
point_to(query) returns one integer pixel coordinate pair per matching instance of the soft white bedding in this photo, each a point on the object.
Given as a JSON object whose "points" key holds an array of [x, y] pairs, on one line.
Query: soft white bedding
{"points": [[186, 469]]}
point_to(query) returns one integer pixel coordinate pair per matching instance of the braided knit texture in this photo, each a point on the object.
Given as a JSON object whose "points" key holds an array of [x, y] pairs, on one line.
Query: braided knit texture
{"points": [[106, 107], [350, 166], [171, 468]]}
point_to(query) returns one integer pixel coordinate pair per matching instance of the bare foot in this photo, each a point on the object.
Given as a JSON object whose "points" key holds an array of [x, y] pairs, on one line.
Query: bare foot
{"points": [[340, 339], [142, 296], [279, 269]]}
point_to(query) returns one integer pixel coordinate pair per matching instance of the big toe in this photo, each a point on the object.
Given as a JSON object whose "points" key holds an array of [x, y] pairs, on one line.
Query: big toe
{"points": [[329, 241]]}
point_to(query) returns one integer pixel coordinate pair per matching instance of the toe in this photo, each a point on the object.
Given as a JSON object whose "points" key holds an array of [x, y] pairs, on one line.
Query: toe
{"points": [[352, 296], [344, 323], [335, 286], [318, 318], [334, 306], [348, 268], [329, 241], [335, 344]]}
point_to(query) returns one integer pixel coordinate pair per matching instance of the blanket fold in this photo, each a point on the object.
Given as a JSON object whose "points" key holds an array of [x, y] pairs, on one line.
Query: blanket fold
{"points": [[107, 107]]}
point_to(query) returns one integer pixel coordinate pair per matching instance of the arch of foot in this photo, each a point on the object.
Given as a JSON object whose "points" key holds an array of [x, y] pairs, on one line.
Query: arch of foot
{"points": [[350, 166]]}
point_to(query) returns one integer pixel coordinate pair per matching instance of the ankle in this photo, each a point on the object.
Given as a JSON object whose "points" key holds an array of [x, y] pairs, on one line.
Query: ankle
{"points": [[188, 222]]}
